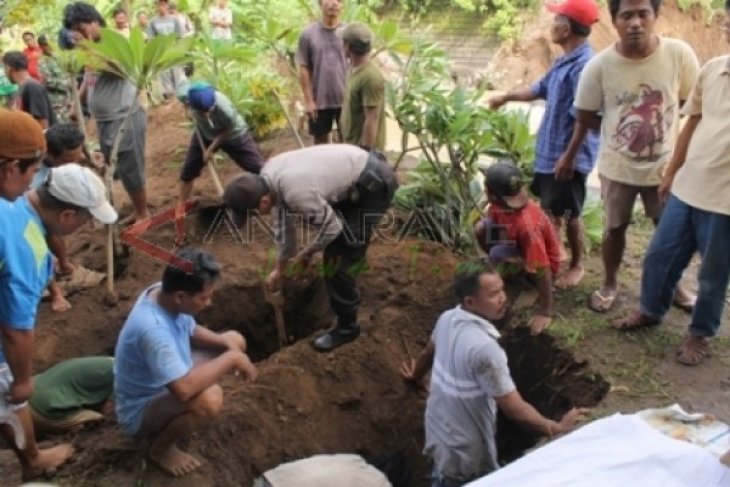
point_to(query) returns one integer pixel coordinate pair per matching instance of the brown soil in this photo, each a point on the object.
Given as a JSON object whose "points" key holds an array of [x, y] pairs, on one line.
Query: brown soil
{"points": [[352, 400], [520, 63]]}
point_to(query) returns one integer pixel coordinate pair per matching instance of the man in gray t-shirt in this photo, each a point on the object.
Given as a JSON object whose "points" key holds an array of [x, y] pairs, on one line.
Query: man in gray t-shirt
{"points": [[165, 23], [110, 99], [322, 71], [470, 378]]}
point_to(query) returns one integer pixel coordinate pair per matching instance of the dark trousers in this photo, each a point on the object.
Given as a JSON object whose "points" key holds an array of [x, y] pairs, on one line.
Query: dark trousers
{"points": [[344, 257], [242, 149]]}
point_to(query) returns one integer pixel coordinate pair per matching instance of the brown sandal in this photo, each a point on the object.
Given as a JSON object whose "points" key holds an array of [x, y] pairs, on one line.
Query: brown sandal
{"points": [[693, 350], [635, 321]]}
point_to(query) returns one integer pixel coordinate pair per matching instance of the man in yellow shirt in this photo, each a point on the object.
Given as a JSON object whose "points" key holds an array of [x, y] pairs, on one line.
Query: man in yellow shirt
{"points": [[696, 216]]}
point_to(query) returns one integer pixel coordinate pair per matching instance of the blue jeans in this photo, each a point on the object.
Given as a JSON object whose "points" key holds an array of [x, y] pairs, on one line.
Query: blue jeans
{"points": [[683, 230]]}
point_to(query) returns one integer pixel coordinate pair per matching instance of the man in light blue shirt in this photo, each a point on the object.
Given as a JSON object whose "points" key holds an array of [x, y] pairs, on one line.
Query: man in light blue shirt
{"points": [[162, 390]]}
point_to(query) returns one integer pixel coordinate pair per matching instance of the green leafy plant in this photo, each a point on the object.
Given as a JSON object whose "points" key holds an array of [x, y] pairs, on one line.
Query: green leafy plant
{"points": [[452, 130]]}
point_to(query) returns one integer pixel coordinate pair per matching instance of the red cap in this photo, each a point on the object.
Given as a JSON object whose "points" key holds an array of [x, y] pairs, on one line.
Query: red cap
{"points": [[585, 12]]}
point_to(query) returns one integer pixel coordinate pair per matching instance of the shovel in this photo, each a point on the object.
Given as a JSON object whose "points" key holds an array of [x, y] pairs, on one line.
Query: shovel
{"points": [[276, 299]]}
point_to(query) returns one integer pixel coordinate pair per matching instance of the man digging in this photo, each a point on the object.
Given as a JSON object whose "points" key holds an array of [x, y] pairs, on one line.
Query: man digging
{"points": [[217, 125], [343, 191]]}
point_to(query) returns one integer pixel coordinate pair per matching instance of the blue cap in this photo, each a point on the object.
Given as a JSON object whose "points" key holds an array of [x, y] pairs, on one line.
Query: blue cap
{"points": [[201, 97]]}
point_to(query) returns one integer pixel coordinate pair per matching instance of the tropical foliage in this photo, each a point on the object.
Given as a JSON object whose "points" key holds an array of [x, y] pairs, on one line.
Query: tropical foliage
{"points": [[453, 134]]}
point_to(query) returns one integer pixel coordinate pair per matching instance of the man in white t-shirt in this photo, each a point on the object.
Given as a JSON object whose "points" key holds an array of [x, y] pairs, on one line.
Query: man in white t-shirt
{"points": [[632, 91], [470, 380], [221, 19]]}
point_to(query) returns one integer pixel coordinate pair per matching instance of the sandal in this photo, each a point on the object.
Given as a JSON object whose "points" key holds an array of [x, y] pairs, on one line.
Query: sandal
{"points": [[600, 303], [693, 350], [635, 321]]}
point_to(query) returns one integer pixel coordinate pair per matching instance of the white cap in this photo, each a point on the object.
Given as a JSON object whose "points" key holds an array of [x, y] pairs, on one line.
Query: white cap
{"points": [[80, 186]]}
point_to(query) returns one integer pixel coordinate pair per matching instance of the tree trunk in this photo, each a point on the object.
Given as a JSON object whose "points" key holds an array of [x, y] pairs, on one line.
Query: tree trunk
{"points": [[112, 234]]}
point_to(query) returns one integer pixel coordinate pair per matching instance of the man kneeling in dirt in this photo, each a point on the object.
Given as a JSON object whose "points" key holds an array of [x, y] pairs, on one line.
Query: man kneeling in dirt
{"points": [[517, 233], [163, 390], [470, 379], [341, 189]]}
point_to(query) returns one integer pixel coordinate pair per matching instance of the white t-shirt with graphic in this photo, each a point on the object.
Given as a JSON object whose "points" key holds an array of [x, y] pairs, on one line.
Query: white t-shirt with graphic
{"points": [[640, 101]]}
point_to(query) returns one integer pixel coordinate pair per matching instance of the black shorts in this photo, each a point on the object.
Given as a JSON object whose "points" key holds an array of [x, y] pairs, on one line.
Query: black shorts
{"points": [[560, 198], [323, 124]]}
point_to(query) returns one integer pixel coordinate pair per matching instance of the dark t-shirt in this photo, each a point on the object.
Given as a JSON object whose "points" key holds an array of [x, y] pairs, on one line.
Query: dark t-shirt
{"points": [[365, 89], [34, 100], [320, 50]]}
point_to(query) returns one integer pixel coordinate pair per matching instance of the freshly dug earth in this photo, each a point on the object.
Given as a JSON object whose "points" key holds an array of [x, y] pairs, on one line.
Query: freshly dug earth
{"points": [[303, 403]]}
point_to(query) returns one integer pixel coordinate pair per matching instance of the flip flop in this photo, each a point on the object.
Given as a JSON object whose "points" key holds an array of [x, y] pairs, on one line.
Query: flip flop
{"points": [[635, 321], [693, 350], [600, 303]]}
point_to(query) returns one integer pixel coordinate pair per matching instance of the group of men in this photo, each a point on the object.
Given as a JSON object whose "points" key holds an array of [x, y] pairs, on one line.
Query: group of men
{"points": [[353, 101], [634, 93], [167, 367]]}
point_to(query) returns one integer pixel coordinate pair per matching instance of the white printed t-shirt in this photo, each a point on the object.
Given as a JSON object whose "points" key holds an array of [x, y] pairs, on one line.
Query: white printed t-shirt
{"points": [[640, 101]]}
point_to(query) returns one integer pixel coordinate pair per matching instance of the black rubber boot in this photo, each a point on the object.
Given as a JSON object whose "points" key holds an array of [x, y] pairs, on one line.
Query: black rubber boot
{"points": [[336, 337]]}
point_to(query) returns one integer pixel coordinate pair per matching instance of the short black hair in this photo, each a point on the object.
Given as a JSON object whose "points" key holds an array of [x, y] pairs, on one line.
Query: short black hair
{"points": [[358, 47], [43, 40], [117, 11], [615, 5], [81, 13], [24, 164], [577, 29], [16, 60], [466, 282], [27, 33], [204, 270], [62, 137]]}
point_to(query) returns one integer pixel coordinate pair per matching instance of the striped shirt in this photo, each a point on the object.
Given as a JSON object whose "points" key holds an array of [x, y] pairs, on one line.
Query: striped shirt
{"points": [[469, 370]]}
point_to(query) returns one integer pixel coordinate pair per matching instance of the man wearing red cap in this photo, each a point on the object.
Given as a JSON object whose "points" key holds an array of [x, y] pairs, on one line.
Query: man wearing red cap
{"points": [[562, 194], [638, 85]]}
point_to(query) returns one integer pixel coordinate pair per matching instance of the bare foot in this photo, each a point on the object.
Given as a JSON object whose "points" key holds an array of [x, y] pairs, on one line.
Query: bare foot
{"points": [[48, 461], [726, 458], [60, 304], [66, 269], [570, 278], [175, 461]]}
